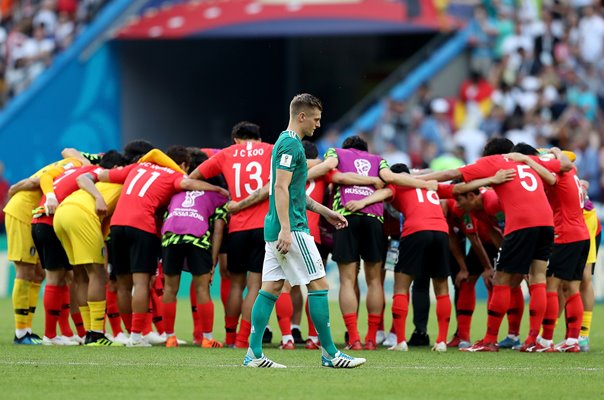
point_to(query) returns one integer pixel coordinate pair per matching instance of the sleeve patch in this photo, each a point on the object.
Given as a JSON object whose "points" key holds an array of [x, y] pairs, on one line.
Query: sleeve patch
{"points": [[286, 160]]}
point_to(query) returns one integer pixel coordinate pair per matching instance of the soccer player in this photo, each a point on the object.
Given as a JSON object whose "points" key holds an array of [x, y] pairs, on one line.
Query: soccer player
{"points": [[191, 235], [81, 223], [134, 235], [290, 251], [245, 166], [528, 235], [24, 197]]}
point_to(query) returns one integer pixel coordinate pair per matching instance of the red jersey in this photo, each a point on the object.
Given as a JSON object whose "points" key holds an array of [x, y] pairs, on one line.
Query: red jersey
{"points": [[315, 189], [147, 187], [523, 199], [246, 168], [63, 185], [458, 219], [421, 209], [567, 198]]}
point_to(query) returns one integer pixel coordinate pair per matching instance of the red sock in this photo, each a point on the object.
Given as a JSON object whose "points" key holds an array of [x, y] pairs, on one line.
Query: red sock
{"points": [[500, 302], [285, 311], [400, 308], [230, 326], [65, 307], [139, 320], [79, 324], [311, 327], [52, 310], [206, 315], [574, 315], [244, 333], [197, 330], [537, 307], [551, 313], [443, 315], [169, 317], [225, 290], [158, 312], [466, 302], [350, 320], [113, 313], [515, 311], [148, 324], [127, 319], [373, 323]]}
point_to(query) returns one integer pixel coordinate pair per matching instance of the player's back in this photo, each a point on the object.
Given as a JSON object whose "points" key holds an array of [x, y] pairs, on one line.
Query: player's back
{"points": [[567, 200], [421, 209], [146, 188]]}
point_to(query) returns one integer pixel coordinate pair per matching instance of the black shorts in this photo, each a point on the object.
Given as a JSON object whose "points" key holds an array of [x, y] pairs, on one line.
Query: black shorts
{"points": [[198, 260], [49, 247], [521, 247], [246, 251], [568, 260], [134, 250], [473, 263], [363, 238], [424, 253], [323, 250]]}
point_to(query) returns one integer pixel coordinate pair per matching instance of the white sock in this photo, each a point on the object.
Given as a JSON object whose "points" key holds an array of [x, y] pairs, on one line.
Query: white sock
{"points": [[572, 341], [28, 330], [287, 338], [171, 334], [208, 336], [136, 337], [294, 326], [20, 333], [315, 339], [514, 337]]}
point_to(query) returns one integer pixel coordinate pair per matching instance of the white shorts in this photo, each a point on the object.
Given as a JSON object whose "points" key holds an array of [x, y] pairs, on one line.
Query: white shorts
{"points": [[301, 265]]}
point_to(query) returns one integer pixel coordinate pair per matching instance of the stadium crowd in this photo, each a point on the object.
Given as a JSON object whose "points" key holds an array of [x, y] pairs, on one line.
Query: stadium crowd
{"points": [[536, 78], [192, 209], [32, 32]]}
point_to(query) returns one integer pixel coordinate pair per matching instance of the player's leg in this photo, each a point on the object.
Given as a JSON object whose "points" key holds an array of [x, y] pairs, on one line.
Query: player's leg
{"points": [[80, 313], [587, 290], [375, 301], [173, 257], [97, 304], [254, 282], [514, 314], [297, 305], [420, 300], [21, 302], [436, 262], [284, 309]]}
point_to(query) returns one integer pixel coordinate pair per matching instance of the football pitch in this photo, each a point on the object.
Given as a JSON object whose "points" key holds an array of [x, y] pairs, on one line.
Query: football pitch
{"points": [[39, 372]]}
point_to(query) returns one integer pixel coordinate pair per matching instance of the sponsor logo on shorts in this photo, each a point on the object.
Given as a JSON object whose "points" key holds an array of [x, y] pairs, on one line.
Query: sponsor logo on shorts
{"points": [[32, 251]]}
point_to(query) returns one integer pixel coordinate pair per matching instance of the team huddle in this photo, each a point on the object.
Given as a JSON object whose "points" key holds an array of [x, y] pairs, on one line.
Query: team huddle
{"points": [[112, 233]]}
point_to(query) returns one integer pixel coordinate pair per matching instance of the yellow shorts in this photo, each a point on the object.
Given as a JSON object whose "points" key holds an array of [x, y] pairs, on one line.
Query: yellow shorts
{"points": [[21, 246], [591, 220], [80, 235]]}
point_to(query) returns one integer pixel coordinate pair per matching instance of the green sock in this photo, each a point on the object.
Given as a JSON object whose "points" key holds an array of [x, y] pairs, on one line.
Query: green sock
{"points": [[318, 305], [261, 312]]}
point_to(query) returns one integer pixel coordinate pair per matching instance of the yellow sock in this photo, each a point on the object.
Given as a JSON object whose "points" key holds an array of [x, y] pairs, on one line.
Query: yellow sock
{"points": [[21, 303], [85, 313], [97, 315], [34, 291], [586, 324]]}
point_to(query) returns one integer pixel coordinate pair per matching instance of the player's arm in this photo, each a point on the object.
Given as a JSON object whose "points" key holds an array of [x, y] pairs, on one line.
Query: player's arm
{"points": [[441, 176], [496, 236], [70, 152], [350, 178], [404, 179], [24, 184], [458, 254], [86, 183], [256, 197], [375, 197], [323, 168], [282, 180], [217, 236], [194, 184], [334, 218], [158, 157], [503, 175], [565, 163], [543, 172]]}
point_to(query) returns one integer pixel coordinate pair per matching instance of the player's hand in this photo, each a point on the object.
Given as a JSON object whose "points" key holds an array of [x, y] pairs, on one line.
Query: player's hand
{"points": [[101, 208], [51, 204], [336, 219], [432, 185], [503, 175], [224, 192], [355, 205], [378, 184], [284, 241], [233, 207], [518, 157], [487, 277], [462, 276]]}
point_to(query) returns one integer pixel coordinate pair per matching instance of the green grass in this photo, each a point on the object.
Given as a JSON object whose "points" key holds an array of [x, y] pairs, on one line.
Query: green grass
{"points": [[39, 372]]}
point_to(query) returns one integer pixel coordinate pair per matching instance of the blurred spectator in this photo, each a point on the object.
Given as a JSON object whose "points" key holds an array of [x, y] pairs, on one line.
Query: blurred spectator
{"points": [[392, 127], [587, 163], [393, 155], [436, 129], [47, 17], [591, 33]]}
